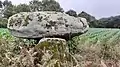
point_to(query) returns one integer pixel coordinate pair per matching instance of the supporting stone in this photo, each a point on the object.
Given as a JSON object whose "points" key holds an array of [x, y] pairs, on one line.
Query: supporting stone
{"points": [[50, 52]]}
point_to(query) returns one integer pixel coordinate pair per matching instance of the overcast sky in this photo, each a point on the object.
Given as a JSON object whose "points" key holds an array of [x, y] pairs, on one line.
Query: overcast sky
{"points": [[97, 8]]}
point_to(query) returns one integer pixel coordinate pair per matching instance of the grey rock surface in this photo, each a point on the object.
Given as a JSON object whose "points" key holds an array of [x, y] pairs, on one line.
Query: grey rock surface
{"points": [[45, 24]]}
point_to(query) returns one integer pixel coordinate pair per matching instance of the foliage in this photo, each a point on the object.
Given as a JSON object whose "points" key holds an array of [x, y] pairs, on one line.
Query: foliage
{"points": [[98, 24], [22, 8], [72, 13], [3, 23], [1, 4], [111, 22], [45, 5], [7, 3], [87, 16], [35, 5], [8, 8], [51, 5], [9, 11]]}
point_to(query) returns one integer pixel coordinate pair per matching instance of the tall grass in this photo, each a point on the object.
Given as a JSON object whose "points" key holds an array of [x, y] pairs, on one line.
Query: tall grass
{"points": [[96, 48]]}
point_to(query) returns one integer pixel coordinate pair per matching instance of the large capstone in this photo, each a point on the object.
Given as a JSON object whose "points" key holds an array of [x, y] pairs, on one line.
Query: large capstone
{"points": [[46, 24]]}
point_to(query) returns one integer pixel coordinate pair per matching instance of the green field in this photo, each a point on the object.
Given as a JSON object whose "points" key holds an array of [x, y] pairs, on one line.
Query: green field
{"points": [[92, 36], [99, 36]]}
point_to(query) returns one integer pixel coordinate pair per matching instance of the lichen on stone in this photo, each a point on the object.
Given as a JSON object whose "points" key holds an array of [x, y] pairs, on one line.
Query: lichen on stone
{"points": [[11, 21], [40, 18], [26, 20], [56, 23]]}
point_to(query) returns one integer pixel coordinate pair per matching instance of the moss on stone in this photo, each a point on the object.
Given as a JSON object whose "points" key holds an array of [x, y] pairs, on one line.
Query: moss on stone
{"points": [[56, 49]]}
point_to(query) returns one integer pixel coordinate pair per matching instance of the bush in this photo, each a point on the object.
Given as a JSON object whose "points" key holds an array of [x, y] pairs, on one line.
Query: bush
{"points": [[3, 23]]}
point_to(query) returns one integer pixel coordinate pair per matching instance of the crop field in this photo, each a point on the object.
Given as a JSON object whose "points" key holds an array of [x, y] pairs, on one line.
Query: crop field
{"points": [[99, 36], [93, 36]]}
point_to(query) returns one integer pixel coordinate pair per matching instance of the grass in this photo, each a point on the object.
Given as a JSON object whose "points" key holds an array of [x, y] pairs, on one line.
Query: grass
{"points": [[99, 47], [98, 44], [9, 47]]}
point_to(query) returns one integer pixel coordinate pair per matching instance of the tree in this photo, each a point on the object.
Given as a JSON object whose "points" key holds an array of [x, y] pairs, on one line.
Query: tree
{"points": [[45, 5], [22, 8], [110, 22], [87, 16], [8, 8], [35, 5], [7, 3], [9, 11], [98, 24], [71, 13], [1, 5], [51, 5]]}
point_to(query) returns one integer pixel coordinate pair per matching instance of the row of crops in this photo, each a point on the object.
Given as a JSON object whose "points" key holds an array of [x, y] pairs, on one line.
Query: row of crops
{"points": [[99, 36]]}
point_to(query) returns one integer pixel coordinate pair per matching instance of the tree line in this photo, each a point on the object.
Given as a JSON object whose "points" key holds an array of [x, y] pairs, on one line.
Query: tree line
{"points": [[110, 22], [34, 5]]}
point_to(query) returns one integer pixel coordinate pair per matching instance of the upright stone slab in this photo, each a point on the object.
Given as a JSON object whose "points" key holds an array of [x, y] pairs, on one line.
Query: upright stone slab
{"points": [[49, 52], [56, 53]]}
